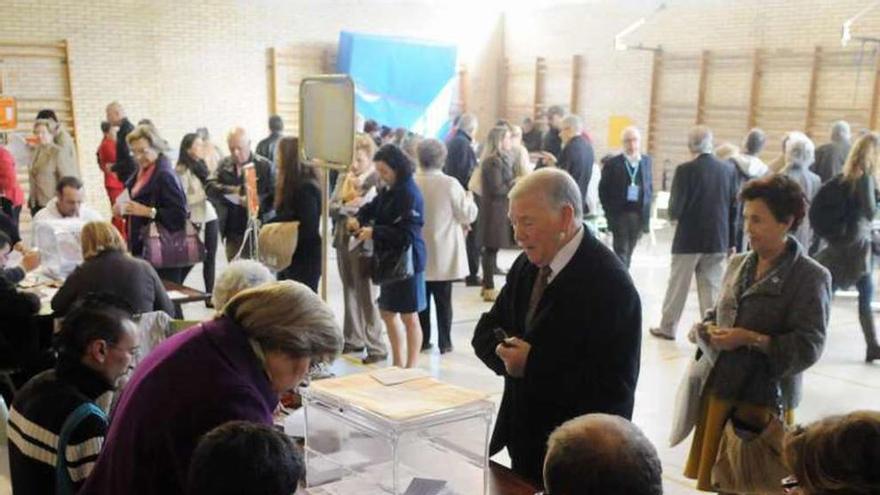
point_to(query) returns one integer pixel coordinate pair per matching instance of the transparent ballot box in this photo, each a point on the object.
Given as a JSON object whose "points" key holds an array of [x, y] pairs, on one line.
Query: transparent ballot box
{"points": [[421, 435]]}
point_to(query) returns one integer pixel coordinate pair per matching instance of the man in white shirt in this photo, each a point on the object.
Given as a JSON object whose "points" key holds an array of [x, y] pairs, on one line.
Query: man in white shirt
{"points": [[68, 204]]}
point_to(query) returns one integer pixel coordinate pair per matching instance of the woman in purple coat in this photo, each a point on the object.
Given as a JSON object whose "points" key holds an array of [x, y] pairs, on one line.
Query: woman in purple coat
{"points": [[231, 368]]}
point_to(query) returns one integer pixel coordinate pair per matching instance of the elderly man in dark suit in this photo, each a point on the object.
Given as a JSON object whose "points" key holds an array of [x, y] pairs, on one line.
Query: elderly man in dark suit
{"points": [[226, 187], [625, 190], [461, 159], [703, 201], [565, 331], [831, 156], [576, 156]]}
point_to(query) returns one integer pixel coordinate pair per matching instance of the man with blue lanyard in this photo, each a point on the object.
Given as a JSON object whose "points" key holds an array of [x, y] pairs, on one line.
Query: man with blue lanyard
{"points": [[625, 191]]}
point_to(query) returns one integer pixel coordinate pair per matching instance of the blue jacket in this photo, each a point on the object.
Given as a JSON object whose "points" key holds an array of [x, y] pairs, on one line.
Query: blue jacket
{"points": [[397, 215], [614, 182]]}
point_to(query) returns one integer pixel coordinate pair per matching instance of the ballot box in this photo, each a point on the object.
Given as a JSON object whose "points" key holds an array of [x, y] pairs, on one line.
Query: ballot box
{"points": [[395, 432], [58, 241]]}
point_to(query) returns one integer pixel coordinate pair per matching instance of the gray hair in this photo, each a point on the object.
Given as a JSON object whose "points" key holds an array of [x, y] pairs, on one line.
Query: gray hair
{"points": [[557, 187], [799, 149], [700, 139], [287, 317], [754, 141], [840, 131], [238, 276], [621, 458], [631, 130], [555, 110], [432, 154], [468, 123], [573, 122]]}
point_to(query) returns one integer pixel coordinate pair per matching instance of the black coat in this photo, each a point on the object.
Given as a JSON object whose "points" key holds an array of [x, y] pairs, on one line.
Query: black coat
{"points": [[577, 159], [830, 158], [552, 142], [228, 179], [162, 192], [397, 215], [303, 205], [125, 166], [19, 338], [703, 201], [460, 158], [614, 183], [133, 280], [586, 345]]}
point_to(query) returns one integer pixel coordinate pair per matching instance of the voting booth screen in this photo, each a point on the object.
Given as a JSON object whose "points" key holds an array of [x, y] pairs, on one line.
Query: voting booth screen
{"points": [[400, 82]]}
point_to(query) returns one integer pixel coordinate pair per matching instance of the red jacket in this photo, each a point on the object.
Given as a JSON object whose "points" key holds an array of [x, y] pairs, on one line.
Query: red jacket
{"points": [[8, 180], [106, 158]]}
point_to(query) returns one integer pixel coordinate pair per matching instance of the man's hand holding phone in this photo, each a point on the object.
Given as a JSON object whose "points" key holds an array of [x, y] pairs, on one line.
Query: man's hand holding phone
{"points": [[513, 351]]}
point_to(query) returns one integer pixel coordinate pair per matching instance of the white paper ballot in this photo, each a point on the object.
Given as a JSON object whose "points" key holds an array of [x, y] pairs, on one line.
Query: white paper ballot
{"points": [[233, 198], [123, 199], [394, 375]]}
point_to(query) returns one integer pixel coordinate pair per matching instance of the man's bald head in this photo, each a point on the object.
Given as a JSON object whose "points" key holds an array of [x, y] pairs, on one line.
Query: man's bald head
{"points": [[115, 113], [239, 144], [599, 454]]}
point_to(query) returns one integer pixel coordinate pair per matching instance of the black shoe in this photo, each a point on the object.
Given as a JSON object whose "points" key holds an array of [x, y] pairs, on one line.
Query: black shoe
{"points": [[473, 281], [873, 354], [427, 346], [374, 358], [445, 350], [350, 349]]}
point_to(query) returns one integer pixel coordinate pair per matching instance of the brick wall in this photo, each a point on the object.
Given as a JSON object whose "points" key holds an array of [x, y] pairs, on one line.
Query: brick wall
{"points": [[618, 83], [192, 63]]}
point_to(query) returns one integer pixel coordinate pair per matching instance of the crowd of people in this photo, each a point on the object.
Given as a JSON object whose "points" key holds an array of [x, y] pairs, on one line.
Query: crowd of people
{"points": [[413, 216]]}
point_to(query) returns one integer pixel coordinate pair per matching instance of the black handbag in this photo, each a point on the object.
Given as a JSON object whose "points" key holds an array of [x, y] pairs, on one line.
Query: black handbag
{"points": [[392, 265]]}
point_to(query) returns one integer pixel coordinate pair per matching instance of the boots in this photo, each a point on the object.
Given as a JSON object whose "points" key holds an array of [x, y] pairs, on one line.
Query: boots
{"points": [[867, 323]]}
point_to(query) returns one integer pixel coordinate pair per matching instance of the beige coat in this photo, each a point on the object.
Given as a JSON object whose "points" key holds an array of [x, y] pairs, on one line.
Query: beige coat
{"points": [[47, 168], [448, 210]]}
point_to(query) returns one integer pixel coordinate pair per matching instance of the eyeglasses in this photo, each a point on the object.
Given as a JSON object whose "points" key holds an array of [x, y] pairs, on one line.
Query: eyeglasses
{"points": [[790, 485]]}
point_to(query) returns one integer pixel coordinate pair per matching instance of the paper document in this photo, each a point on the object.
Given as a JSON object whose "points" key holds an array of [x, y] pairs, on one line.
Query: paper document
{"points": [[123, 199], [233, 198], [353, 243], [176, 294], [394, 375]]}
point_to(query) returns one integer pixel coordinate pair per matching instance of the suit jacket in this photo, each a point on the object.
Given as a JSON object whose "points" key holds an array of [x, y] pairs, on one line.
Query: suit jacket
{"points": [[703, 201], [227, 179], [586, 344], [125, 167], [552, 142], [460, 158], [614, 182], [162, 192], [577, 159], [829, 160], [810, 183]]}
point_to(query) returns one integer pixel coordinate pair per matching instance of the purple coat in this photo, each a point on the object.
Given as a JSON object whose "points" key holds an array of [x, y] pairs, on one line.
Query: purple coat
{"points": [[189, 384]]}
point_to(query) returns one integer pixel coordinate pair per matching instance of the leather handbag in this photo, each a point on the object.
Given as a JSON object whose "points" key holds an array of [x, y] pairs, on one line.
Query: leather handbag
{"points": [[392, 265], [750, 460], [277, 244], [166, 249]]}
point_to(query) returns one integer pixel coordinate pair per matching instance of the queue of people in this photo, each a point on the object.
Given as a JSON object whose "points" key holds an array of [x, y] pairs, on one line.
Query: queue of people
{"points": [[564, 330]]}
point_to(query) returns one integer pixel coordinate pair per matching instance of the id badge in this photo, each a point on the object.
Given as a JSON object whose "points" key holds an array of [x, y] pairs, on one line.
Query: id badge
{"points": [[632, 193]]}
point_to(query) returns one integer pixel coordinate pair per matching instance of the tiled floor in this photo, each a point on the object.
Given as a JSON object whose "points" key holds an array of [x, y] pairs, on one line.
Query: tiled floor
{"points": [[839, 382]]}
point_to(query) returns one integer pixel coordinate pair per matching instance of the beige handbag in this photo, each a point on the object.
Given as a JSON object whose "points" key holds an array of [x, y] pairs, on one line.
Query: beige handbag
{"points": [[750, 461], [277, 244]]}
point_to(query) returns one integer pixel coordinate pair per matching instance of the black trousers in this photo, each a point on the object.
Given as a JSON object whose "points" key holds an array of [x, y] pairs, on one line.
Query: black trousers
{"points": [[441, 292], [472, 247], [490, 257], [175, 275], [212, 235], [626, 230]]}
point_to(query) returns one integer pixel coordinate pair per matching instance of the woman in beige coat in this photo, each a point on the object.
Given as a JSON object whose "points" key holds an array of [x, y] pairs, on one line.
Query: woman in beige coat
{"points": [[48, 166]]}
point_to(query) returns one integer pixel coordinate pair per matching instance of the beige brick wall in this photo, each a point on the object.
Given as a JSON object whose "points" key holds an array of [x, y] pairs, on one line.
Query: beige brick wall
{"points": [[618, 83], [191, 63]]}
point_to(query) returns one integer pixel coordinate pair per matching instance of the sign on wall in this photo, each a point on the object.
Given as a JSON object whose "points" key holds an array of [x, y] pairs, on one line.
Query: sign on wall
{"points": [[8, 113]]}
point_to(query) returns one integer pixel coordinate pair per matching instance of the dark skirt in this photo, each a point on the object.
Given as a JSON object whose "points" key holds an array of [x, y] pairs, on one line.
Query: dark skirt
{"points": [[405, 296]]}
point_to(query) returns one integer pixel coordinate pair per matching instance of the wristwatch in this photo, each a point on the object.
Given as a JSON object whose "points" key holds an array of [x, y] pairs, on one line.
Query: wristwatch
{"points": [[153, 213]]}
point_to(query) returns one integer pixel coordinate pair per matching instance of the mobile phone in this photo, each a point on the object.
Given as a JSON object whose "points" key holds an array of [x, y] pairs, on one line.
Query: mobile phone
{"points": [[501, 336]]}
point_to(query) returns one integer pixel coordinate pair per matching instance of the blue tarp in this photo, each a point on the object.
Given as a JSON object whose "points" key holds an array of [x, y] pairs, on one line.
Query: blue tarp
{"points": [[400, 82]]}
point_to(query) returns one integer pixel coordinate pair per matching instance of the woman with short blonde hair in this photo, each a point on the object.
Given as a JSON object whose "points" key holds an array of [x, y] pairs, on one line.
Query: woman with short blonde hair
{"points": [[107, 267]]}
